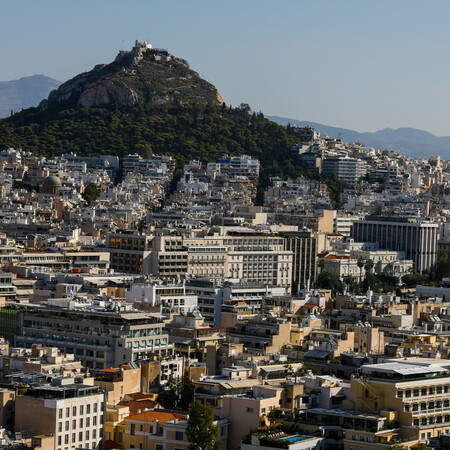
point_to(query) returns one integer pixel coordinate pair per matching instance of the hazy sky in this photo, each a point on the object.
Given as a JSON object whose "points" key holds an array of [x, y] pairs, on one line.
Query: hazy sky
{"points": [[364, 65]]}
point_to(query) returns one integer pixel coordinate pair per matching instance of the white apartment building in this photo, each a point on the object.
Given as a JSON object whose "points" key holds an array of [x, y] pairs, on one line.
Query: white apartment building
{"points": [[169, 297], [72, 412]]}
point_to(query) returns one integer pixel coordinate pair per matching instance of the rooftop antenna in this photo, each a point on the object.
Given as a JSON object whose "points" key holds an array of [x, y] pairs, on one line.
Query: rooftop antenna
{"points": [[123, 43]]}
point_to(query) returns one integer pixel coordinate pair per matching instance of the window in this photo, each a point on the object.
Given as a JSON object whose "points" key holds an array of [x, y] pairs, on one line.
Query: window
{"points": [[59, 440], [94, 421], [60, 427], [81, 409], [74, 423], [159, 447], [250, 410], [74, 411], [81, 423], [67, 425], [133, 429], [60, 413], [179, 435], [88, 421], [73, 437], [67, 412], [95, 407], [88, 409], [66, 439], [87, 434], [80, 436]]}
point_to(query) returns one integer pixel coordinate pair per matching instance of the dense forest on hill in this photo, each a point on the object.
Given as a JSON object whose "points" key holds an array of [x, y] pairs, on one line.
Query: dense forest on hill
{"points": [[194, 131]]}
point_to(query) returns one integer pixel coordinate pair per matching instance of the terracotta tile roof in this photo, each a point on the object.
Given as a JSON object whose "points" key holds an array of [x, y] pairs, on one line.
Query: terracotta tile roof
{"points": [[136, 405], [109, 445], [151, 416]]}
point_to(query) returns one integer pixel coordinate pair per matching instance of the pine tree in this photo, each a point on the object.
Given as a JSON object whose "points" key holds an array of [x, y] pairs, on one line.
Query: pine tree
{"points": [[201, 431]]}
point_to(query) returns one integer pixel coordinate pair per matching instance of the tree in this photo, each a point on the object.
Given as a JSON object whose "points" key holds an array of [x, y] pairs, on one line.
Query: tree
{"points": [[368, 265], [180, 393], [200, 430], [327, 280], [397, 447], [360, 264], [91, 192], [442, 266], [322, 264]]}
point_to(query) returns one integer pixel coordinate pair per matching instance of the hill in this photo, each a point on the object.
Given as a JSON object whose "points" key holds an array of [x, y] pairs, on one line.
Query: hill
{"points": [[23, 93], [142, 75], [409, 141]]}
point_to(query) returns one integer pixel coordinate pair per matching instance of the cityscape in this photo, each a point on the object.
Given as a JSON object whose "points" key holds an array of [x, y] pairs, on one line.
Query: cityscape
{"points": [[178, 273]]}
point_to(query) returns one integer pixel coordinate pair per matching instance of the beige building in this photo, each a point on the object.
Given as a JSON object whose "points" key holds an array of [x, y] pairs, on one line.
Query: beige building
{"points": [[7, 400], [242, 402], [209, 261], [367, 339], [160, 430], [392, 401], [118, 382]]}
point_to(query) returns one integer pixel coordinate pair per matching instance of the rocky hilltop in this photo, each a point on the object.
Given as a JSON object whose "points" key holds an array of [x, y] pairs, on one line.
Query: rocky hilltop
{"points": [[144, 74]]}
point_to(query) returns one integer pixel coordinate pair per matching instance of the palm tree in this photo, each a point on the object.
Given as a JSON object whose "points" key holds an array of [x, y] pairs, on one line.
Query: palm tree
{"points": [[360, 264], [368, 265]]}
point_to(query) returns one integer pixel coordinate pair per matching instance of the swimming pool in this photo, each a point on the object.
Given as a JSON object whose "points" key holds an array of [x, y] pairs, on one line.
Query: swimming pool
{"points": [[295, 438]]}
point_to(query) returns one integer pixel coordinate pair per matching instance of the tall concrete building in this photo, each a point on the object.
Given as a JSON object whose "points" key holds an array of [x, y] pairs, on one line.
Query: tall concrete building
{"points": [[130, 252], [101, 334], [303, 245], [345, 168], [417, 238]]}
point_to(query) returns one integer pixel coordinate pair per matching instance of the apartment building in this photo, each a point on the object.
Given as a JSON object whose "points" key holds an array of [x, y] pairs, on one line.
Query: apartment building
{"points": [[262, 335], [242, 402], [191, 335], [87, 260], [7, 406], [130, 252], [100, 334], [417, 238], [251, 259], [344, 168], [169, 258], [67, 408], [391, 402], [170, 298], [214, 292], [303, 245], [208, 261], [367, 339], [160, 430]]}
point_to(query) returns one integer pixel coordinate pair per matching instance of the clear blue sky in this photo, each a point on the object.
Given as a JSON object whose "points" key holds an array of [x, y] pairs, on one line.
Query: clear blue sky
{"points": [[358, 64]]}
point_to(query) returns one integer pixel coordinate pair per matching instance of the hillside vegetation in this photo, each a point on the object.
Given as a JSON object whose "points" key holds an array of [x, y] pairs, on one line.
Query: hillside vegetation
{"points": [[194, 131]]}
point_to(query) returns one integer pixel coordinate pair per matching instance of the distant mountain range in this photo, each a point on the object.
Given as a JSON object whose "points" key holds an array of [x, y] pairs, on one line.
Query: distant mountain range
{"points": [[408, 141], [21, 94]]}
